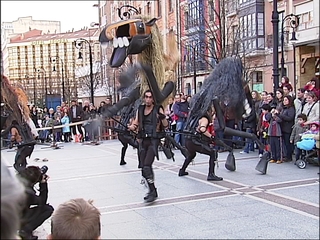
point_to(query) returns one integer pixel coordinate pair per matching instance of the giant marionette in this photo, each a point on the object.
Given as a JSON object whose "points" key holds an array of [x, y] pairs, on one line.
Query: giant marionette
{"points": [[225, 85], [15, 114], [154, 72]]}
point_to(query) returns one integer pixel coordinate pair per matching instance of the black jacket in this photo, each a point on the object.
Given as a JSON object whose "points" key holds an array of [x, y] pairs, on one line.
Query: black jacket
{"points": [[250, 121], [287, 116]]}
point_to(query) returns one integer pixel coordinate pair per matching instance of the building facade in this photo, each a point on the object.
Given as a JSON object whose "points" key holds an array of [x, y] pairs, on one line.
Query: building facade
{"points": [[23, 25], [209, 30], [164, 10], [46, 64]]}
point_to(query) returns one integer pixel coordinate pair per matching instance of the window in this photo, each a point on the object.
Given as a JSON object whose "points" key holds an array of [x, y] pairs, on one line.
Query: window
{"points": [[256, 76], [306, 20], [186, 20], [159, 8], [211, 10], [170, 5], [194, 14], [260, 17]]}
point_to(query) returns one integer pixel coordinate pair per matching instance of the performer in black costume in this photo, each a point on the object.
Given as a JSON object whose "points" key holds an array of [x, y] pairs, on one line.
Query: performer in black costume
{"points": [[199, 142], [126, 137], [150, 122]]}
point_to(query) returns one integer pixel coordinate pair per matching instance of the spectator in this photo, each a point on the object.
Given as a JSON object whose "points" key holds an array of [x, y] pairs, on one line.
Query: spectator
{"points": [[76, 115], [287, 116], [64, 106], [298, 129], [249, 125], [180, 109], [12, 198], [263, 125], [102, 103], [287, 90], [274, 133], [66, 129], [51, 113], [264, 96], [271, 100], [299, 102], [256, 101], [311, 108], [34, 116], [314, 86], [76, 219], [279, 99], [284, 81]]}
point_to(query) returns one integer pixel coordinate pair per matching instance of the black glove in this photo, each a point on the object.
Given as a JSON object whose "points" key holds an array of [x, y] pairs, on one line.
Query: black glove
{"points": [[162, 116]]}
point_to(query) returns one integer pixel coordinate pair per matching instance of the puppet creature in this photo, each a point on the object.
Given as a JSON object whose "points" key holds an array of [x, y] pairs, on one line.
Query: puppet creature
{"points": [[225, 85], [15, 109], [154, 69]]}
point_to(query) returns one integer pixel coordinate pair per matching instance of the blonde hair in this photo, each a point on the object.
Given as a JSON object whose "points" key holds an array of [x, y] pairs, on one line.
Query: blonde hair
{"points": [[76, 219]]}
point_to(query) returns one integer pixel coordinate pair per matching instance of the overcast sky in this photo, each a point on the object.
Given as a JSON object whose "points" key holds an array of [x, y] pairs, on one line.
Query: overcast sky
{"points": [[71, 14]]}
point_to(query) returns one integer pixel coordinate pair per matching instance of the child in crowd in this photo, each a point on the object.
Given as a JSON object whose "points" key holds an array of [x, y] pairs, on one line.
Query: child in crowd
{"points": [[308, 138], [66, 130], [298, 129], [314, 129], [263, 125]]}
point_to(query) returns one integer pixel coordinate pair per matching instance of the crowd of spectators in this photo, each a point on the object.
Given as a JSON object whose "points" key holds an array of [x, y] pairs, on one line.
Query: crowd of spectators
{"points": [[273, 119]]}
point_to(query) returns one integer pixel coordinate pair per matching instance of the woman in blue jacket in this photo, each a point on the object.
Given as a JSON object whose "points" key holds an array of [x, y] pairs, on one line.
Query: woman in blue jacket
{"points": [[66, 129]]}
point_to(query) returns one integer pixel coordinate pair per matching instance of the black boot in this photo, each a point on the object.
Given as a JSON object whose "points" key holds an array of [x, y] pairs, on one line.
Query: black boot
{"points": [[182, 173], [147, 173], [151, 196], [213, 177], [123, 162]]}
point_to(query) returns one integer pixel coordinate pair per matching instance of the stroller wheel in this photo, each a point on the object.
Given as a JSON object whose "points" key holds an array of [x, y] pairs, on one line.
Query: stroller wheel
{"points": [[301, 164]]}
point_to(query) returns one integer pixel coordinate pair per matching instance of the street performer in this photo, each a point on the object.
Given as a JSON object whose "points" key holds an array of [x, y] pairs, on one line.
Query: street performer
{"points": [[199, 141], [150, 122]]}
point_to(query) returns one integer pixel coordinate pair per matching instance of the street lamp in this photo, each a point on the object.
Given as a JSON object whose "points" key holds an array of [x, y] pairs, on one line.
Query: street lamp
{"points": [[275, 29], [53, 60], [293, 23], [79, 45], [41, 70], [34, 88]]}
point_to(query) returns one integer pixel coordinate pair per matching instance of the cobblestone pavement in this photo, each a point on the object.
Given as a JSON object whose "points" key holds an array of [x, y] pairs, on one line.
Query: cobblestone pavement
{"points": [[283, 204]]}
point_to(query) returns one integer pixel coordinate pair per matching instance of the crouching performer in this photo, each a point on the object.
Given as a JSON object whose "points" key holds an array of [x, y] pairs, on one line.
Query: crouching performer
{"points": [[199, 140], [150, 123]]}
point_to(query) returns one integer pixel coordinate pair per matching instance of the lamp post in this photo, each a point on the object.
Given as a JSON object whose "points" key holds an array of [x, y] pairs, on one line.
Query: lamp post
{"points": [[114, 86], [41, 70], [275, 29], [194, 69], [294, 70], [294, 23], [34, 88], [62, 74], [78, 44]]}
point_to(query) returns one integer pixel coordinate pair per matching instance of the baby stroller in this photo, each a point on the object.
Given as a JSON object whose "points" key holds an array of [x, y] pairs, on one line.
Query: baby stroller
{"points": [[309, 152]]}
